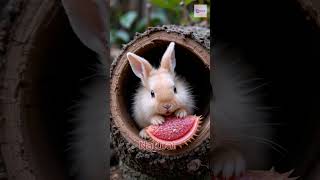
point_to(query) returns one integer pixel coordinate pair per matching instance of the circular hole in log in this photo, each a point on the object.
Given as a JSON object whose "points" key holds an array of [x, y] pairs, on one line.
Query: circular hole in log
{"points": [[193, 64]]}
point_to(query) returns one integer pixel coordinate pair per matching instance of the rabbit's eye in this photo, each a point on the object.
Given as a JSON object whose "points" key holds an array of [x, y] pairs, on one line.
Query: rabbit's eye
{"points": [[152, 94], [175, 89]]}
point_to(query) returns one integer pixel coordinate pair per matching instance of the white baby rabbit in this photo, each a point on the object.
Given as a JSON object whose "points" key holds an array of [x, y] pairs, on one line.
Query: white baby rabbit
{"points": [[241, 132], [161, 93], [88, 19]]}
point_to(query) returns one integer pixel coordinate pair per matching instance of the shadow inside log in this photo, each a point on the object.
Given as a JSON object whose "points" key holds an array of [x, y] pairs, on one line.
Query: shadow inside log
{"points": [[60, 66]]}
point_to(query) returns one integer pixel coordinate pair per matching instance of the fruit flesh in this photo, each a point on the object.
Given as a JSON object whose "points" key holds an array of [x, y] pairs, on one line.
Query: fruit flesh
{"points": [[174, 131]]}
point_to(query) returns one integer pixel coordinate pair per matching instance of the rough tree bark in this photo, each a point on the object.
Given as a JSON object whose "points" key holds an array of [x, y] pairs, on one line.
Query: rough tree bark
{"points": [[20, 23], [138, 162], [9, 10]]}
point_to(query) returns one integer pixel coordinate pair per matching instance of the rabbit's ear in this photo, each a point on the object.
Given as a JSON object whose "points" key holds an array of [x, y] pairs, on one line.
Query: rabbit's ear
{"points": [[88, 19], [168, 60], [139, 66]]}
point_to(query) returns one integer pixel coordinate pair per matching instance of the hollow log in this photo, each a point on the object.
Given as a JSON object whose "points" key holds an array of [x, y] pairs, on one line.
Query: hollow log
{"points": [[22, 147], [35, 41], [138, 157]]}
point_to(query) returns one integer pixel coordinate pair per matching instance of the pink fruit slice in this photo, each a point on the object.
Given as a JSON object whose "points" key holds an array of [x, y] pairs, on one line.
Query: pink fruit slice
{"points": [[175, 131]]}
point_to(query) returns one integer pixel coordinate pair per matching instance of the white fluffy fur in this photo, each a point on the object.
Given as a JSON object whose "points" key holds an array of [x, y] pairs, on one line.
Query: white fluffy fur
{"points": [[88, 19], [90, 141], [241, 135], [162, 81], [144, 106]]}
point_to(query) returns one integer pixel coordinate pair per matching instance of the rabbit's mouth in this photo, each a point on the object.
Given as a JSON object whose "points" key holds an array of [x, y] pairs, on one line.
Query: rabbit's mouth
{"points": [[167, 112]]}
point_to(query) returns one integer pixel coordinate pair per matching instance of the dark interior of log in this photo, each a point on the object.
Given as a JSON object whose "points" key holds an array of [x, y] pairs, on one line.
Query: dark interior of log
{"points": [[60, 65], [189, 66]]}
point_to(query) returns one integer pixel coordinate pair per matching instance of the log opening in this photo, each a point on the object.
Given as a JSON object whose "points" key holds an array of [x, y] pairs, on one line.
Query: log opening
{"points": [[193, 64]]}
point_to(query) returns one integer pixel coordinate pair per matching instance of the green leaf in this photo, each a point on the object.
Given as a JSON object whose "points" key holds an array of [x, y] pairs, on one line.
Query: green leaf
{"points": [[128, 18], [122, 35], [166, 4], [159, 3], [187, 2], [174, 4], [160, 15], [141, 25], [194, 19]]}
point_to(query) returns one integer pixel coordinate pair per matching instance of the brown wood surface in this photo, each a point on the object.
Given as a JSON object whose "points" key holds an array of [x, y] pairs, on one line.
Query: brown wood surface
{"points": [[20, 24]]}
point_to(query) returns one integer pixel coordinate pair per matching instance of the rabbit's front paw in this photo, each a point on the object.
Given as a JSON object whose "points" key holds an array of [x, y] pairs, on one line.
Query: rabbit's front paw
{"points": [[143, 134], [181, 113], [228, 163], [157, 120]]}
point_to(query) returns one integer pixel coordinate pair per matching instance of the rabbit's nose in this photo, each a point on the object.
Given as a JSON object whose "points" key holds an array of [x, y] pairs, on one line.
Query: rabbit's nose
{"points": [[167, 106]]}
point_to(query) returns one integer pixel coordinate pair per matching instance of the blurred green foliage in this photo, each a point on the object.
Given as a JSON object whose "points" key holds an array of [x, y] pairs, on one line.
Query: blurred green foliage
{"points": [[126, 20]]}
